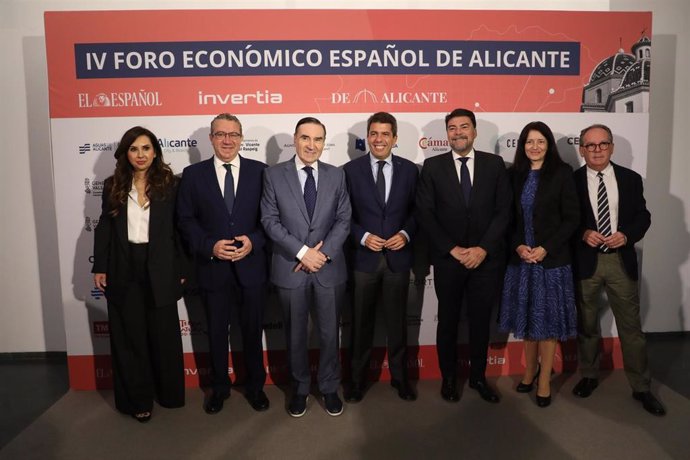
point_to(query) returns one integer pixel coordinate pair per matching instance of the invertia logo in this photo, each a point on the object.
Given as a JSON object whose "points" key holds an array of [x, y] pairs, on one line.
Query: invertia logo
{"points": [[141, 98], [259, 97]]}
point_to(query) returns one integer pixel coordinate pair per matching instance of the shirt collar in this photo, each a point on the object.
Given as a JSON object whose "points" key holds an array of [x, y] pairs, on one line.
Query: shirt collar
{"points": [[469, 155], [218, 163], [374, 161], [299, 164], [607, 171]]}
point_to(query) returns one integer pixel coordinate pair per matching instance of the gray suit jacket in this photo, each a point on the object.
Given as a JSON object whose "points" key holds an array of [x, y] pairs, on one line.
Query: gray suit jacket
{"points": [[285, 219]]}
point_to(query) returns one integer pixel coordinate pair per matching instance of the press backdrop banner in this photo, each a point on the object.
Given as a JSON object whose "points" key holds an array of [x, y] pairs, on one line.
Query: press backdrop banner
{"points": [[173, 71]]}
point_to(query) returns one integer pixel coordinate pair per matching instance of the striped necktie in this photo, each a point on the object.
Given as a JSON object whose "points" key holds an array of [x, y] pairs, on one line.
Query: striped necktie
{"points": [[603, 213]]}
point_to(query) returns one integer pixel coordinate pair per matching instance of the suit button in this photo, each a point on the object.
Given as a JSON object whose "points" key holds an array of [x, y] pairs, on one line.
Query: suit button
{"points": [[311, 230]]}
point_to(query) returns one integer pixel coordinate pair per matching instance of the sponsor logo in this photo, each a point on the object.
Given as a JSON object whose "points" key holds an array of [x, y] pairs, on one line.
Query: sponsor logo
{"points": [[141, 98], [89, 223], [433, 144], [250, 145], [96, 293], [273, 325], [94, 188], [188, 328], [200, 371], [426, 282], [100, 328], [97, 147], [176, 145], [102, 373], [361, 144], [264, 97], [490, 361], [366, 96], [414, 320]]}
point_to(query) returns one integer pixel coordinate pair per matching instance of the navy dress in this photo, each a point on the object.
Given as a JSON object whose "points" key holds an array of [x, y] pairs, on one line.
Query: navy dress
{"points": [[537, 303]]}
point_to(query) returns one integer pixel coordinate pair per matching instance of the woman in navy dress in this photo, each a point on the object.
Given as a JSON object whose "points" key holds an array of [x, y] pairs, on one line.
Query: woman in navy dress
{"points": [[538, 303]]}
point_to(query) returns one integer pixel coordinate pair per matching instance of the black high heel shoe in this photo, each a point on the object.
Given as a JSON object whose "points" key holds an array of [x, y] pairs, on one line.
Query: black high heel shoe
{"points": [[543, 401], [527, 387]]}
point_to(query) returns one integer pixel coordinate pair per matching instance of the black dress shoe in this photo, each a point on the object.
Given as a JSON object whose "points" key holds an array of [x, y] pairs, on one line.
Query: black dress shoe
{"points": [[298, 405], [215, 402], [543, 401], [585, 387], [258, 400], [527, 387], [649, 402], [484, 390], [334, 406], [355, 394], [142, 417], [449, 390], [405, 392]]}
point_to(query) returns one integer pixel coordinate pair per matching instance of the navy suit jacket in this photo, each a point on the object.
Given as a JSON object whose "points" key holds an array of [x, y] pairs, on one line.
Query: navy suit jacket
{"points": [[203, 219], [369, 214], [633, 221], [449, 222], [286, 221]]}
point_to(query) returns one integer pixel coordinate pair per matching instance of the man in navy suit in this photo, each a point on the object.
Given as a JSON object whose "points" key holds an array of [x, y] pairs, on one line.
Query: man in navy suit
{"points": [[463, 203], [614, 217], [218, 215], [382, 193], [305, 211]]}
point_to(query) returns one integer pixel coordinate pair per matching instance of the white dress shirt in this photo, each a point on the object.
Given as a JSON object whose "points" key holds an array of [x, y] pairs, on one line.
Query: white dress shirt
{"points": [[137, 218]]}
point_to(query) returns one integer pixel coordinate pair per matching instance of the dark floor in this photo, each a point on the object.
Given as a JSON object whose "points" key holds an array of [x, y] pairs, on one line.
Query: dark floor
{"points": [[30, 383]]}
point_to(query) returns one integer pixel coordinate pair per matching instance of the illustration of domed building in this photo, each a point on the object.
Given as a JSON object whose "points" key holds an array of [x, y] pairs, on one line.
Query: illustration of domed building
{"points": [[620, 83]]}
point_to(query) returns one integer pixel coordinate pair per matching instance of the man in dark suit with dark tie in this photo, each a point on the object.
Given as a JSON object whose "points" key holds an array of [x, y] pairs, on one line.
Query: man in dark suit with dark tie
{"points": [[464, 204], [219, 216], [614, 217], [305, 211], [382, 193]]}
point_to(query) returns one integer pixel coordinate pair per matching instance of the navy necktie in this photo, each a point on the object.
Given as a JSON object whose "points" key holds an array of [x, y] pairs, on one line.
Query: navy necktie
{"points": [[603, 213], [229, 188], [465, 181], [381, 182], [310, 191]]}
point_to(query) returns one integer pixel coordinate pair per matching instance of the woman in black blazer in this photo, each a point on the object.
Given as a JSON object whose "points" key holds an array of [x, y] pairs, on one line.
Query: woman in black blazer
{"points": [[538, 302], [139, 264]]}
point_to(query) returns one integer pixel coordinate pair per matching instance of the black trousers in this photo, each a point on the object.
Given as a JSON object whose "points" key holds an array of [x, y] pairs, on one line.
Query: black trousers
{"points": [[391, 288], [479, 288], [145, 343], [248, 303]]}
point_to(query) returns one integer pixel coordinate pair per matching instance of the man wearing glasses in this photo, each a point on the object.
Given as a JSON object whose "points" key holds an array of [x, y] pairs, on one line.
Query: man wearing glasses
{"points": [[614, 217], [218, 215]]}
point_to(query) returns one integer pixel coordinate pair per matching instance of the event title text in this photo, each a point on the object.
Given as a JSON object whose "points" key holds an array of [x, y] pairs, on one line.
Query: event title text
{"points": [[362, 57]]}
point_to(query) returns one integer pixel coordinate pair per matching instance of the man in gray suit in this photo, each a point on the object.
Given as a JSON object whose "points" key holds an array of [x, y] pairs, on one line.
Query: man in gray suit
{"points": [[305, 210]]}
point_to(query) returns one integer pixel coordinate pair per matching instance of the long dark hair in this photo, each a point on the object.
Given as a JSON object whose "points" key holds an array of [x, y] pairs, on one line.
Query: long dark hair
{"points": [[159, 177], [552, 158]]}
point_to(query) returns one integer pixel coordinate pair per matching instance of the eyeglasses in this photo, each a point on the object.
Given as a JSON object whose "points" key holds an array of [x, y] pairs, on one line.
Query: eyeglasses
{"points": [[603, 146], [222, 135]]}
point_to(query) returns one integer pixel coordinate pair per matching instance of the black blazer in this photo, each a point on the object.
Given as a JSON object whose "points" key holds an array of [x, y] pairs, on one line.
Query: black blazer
{"points": [[633, 220], [556, 215], [203, 219], [167, 263], [448, 222], [369, 214]]}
